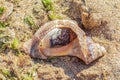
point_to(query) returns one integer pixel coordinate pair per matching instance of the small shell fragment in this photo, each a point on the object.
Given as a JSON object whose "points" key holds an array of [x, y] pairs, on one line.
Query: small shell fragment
{"points": [[80, 45]]}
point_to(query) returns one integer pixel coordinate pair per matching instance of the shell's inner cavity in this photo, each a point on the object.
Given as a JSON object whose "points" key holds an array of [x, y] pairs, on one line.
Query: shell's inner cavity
{"points": [[57, 37]]}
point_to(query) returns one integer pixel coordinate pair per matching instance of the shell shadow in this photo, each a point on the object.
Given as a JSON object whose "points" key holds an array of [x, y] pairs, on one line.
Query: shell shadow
{"points": [[71, 65]]}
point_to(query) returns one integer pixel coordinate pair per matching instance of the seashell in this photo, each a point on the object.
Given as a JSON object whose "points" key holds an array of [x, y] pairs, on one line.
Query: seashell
{"points": [[8, 9], [79, 45]]}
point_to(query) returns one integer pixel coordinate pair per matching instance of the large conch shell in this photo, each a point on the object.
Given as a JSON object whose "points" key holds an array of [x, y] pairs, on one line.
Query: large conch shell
{"points": [[82, 46]]}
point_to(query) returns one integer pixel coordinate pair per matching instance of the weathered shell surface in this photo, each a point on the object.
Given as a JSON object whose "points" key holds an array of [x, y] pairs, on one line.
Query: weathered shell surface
{"points": [[82, 47]]}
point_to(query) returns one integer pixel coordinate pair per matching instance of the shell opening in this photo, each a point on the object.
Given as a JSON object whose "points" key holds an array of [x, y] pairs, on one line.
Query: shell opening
{"points": [[58, 37]]}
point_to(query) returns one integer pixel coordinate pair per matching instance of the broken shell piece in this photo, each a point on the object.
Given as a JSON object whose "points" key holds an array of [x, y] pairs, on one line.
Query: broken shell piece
{"points": [[8, 9], [91, 20], [80, 45]]}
